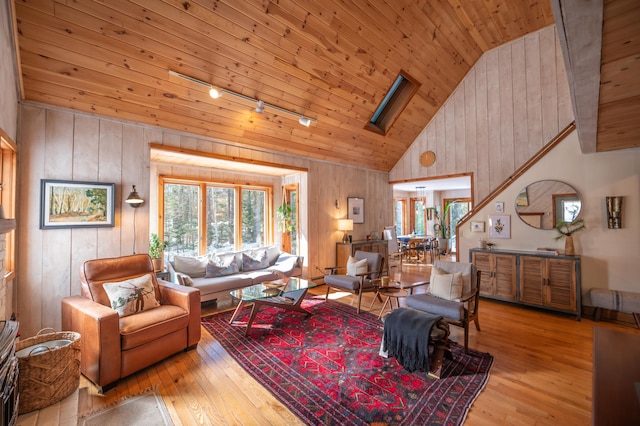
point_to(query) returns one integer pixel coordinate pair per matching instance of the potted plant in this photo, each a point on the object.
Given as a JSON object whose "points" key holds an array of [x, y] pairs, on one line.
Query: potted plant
{"points": [[441, 229], [156, 251], [284, 214], [566, 230]]}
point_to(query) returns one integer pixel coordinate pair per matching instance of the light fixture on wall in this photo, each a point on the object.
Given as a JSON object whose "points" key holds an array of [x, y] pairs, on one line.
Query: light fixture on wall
{"points": [[135, 201], [215, 92], [345, 225], [614, 212]]}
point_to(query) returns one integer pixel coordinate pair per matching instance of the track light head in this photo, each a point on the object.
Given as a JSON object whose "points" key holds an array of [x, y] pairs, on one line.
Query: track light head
{"points": [[304, 121], [215, 92], [260, 107]]}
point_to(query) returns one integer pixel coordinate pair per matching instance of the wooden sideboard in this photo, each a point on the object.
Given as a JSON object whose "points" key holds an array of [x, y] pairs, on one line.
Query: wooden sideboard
{"points": [[344, 250], [530, 278]]}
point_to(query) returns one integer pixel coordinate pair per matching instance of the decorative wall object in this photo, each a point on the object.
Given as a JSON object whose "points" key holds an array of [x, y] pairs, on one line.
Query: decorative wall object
{"points": [[499, 206], [477, 226], [74, 204], [355, 209], [614, 212], [522, 200], [500, 226]]}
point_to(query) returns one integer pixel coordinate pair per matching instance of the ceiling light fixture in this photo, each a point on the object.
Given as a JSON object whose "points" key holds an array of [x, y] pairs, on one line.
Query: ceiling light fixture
{"points": [[215, 92]]}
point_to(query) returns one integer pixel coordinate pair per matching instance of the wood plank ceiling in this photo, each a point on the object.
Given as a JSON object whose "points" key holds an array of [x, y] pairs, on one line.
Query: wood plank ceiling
{"points": [[327, 59]]}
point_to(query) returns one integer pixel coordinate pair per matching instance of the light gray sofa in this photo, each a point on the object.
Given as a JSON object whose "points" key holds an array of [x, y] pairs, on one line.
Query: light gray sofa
{"points": [[217, 274]]}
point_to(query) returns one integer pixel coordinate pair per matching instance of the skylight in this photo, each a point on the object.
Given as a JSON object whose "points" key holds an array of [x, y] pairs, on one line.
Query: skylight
{"points": [[394, 102]]}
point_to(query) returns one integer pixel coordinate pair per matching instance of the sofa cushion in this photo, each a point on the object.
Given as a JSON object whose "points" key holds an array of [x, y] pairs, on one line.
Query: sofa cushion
{"points": [[253, 260], [446, 286], [285, 264], [131, 296], [220, 265], [195, 267], [221, 284], [355, 267], [147, 326], [436, 305], [184, 279]]}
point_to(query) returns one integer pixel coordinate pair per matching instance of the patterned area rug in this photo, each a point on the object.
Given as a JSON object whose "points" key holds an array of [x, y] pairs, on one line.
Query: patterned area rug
{"points": [[145, 409], [326, 369]]}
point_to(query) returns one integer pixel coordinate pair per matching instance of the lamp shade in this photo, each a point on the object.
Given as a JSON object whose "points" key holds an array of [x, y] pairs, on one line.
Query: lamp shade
{"points": [[134, 200], [345, 225]]}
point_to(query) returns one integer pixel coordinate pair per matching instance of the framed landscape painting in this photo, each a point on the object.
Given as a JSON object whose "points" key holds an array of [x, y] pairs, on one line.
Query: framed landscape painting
{"points": [[74, 204]]}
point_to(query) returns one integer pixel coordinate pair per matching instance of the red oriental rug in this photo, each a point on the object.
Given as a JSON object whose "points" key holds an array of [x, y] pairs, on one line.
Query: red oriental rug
{"points": [[326, 369]]}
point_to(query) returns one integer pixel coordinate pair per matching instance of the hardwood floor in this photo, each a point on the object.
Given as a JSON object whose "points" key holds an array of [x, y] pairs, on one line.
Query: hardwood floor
{"points": [[541, 375]]}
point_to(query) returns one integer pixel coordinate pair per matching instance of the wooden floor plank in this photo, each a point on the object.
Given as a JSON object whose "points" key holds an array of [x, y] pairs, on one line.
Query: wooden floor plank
{"points": [[541, 374]]}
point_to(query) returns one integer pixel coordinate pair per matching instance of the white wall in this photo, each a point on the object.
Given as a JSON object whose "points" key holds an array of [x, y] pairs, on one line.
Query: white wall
{"points": [[610, 257]]}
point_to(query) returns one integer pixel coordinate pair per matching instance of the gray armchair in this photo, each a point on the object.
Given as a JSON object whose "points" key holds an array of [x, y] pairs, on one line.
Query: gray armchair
{"points": [[358, 283], [457, 312]]}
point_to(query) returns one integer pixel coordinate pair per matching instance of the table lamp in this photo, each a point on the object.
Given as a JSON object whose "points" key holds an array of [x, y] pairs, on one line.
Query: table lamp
{"points": [[345, 225]]}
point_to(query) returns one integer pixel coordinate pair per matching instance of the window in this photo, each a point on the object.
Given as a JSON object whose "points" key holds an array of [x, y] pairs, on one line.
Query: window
{"points": [[399, 215], [418, 217], [8, 196], [228, 217], [394, 102]]}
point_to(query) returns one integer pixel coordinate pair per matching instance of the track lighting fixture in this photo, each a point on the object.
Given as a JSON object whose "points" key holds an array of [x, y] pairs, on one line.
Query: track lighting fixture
{"points": [[215, 92], [305, 121]]}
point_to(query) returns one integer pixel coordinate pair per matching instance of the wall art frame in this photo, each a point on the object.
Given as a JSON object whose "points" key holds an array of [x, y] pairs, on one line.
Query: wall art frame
{"points": [[477, 226], [500, 226], [76, 204], [499, 207], [355, 209]]}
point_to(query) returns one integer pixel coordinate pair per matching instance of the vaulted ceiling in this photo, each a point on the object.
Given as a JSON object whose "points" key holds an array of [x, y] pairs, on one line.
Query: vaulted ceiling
{"points": [[332, 60], [328, 59]]}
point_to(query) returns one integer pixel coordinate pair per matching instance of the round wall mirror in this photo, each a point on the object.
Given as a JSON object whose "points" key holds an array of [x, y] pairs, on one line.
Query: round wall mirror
{"points": [[544, 203]]}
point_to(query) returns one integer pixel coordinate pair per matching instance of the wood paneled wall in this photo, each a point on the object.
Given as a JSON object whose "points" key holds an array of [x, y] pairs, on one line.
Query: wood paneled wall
{"points": [[511, 103], [61, 144], [8, 82]]}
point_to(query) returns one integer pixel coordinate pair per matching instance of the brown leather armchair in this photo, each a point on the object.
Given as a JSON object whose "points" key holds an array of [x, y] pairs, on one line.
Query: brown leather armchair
{"points": [[113, 347]]}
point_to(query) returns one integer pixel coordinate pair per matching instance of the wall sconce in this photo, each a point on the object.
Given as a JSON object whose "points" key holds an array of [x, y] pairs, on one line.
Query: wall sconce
{"points": [[614, 212], [345, 225], [337, 204], [135, 201]]}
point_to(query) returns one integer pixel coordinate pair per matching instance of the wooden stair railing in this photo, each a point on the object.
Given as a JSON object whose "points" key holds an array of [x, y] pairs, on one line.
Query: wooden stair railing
{"points": [[526, 166]]}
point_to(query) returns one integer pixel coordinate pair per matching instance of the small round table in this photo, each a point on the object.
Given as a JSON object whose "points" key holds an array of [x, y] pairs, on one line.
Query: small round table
{"points": [[390, 292]]}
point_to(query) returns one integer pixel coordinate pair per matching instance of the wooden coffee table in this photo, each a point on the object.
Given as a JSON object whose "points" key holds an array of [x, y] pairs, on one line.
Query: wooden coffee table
{"points": [[286, 293]]}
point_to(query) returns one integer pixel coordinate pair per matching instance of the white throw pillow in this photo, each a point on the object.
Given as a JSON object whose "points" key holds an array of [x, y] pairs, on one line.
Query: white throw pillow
{"points": [[195, 267], [446, 286], [131, 296], [355, 267]]}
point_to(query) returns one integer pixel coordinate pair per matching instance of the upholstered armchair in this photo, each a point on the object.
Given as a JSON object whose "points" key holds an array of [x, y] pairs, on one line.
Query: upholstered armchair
{"points": [[453, 293], [357, 276], [128, 319]]}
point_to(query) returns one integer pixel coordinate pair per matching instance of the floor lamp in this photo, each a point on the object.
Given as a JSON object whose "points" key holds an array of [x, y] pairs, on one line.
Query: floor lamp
{"points": [[135, 201]]}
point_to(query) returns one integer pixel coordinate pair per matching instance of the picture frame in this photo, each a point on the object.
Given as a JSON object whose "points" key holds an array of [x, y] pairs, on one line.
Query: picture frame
{"points": [[477, 226], [76, 204], [355, 209], [500, 226], [499, 207]]}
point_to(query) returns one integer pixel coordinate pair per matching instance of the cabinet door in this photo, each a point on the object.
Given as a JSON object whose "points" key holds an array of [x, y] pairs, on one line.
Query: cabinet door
{"points": [[505, 276], [561, 284], [532, 280], [484, 263]]}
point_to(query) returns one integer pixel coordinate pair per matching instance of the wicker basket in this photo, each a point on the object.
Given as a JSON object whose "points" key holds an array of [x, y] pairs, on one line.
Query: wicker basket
{"points": [[50, 376]]}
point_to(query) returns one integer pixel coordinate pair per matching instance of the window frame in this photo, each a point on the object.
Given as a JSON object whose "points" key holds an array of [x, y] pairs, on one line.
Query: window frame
{"points": [[8, 177], [202, 207]]}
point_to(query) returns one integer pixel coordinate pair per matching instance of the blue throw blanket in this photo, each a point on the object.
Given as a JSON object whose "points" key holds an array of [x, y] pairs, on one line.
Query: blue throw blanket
{"points": [[406, 337]]}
